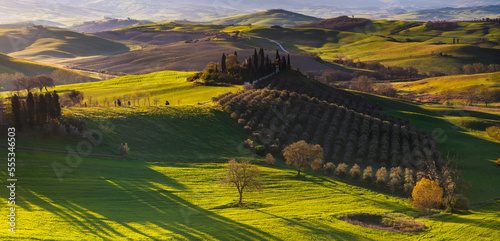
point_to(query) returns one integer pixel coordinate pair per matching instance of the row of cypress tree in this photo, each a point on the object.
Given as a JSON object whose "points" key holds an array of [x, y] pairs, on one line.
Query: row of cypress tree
{"points": [[37, 110]]}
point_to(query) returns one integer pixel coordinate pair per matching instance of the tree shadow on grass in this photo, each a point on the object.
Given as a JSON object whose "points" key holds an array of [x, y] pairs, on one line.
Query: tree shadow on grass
{"points": [[110, 205]]}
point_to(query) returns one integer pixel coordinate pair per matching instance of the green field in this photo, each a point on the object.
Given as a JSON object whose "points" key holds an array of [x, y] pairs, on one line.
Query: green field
{"points": [[365, 43], [267, 18], [104, 198], [166, 85], [456, 83]]}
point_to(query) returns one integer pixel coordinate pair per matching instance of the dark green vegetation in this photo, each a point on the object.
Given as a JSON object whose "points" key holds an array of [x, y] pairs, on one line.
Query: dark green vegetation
{"points": [[271, 17], [279, 118]]}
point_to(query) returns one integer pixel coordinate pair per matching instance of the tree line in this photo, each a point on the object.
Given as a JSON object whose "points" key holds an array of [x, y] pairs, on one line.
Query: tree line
{"points": [[230, 71], [36, 110]]}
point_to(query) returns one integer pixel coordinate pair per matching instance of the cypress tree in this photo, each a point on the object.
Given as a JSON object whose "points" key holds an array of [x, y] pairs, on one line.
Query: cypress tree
{"points": [[268, 65], [57, 105], [235, 54], [289, 66], [16, 110], [51, 111], [255, 60], [277, 60], [261, 60], [41, 112], [30, 110], [283, 63], [223, 63]]}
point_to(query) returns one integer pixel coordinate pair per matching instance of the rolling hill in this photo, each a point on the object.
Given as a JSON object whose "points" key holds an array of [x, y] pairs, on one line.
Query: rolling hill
{"points": [[449, 13], [44, 44], [267, 18], [106, 24]]}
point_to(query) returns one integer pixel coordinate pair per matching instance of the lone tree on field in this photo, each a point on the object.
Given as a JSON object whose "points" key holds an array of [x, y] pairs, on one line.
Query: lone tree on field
{"points": [[300, 154], [243, 175], [427, 195]]}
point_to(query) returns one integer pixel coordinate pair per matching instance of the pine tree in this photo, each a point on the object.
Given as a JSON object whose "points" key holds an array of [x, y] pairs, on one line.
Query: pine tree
{"points": [[30, 109], [16, 110], [223, 63]]}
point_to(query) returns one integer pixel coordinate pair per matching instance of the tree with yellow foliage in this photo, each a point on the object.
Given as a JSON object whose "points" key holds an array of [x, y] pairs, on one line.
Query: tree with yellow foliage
{"points": [[427, 194]]}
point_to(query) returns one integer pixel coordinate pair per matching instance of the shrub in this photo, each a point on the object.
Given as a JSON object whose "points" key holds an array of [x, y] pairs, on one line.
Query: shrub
{"points": [[409, 181], [329, 168], [61, 130], [458, 202], [123, 149], [270, 161], [341, 170], [241, 122], [355, 172], [381, 176], [248, 144], [396, 179], [427, 195], [494, 132], [260, 150], [368, 174]]}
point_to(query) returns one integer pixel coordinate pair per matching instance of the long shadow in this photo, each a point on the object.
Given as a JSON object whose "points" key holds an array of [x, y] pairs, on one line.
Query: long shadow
{"points": [[474, 154], [110, 202]]}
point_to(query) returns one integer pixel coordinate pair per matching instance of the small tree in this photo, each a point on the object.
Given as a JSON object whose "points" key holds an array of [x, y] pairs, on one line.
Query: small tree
{"points": [[270, 161], [341, 170], [155, 101], [75, 96], [123, 149], [355, 172], [396, 179], [409, 181], [300, 154], [368, 174], [242, 175], [427, 195], [381, 176], [329, 168]]}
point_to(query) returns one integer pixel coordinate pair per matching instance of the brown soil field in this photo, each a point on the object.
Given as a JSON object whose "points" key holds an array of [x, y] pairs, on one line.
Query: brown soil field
{"points": [[150, 38], [182, 56]]}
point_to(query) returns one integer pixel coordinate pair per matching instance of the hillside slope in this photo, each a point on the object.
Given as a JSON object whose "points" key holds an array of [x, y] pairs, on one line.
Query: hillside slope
{"points": [[12, 65], [267, 18], [46, 43]]}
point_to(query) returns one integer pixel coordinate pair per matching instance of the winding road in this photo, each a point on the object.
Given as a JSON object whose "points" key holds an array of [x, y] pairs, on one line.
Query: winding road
{"points": [[276, 42]]}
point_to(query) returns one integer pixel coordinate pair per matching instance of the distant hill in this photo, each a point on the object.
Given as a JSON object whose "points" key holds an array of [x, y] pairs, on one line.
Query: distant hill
{"points": [[267, 18], [12, 65], [107, 24], [339, 23], [38, 44], [465, 13]]}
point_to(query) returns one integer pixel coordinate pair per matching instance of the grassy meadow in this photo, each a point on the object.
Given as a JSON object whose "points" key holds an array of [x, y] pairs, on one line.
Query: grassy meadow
{"points": [[165, 85]]}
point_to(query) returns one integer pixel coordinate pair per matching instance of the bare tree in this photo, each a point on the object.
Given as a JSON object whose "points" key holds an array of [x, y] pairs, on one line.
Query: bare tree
{"points": [[155, 101], [43, 81], [300, 154], [243, 175]]}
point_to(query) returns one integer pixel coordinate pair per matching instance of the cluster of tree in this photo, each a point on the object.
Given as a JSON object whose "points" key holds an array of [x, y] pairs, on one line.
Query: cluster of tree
{"points": [[37, 110], [75, 98], [476, 68], [64, 77], [294, 81], [440, 25], [230, 71], [368, 84], [6, 80], [381, 71], [276, 119], [36, 82], [340, 23]]}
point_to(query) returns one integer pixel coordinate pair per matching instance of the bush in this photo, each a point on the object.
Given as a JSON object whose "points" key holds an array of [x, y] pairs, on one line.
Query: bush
{"points": [[270, 161], [248, 144], [260, 150], [355, 172], [123, 149], [396, 179], [458, 203], [341, 170], [329, 168], [381, 176], [427, 195], [409, 181], [368, 175], [494, 132]]}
